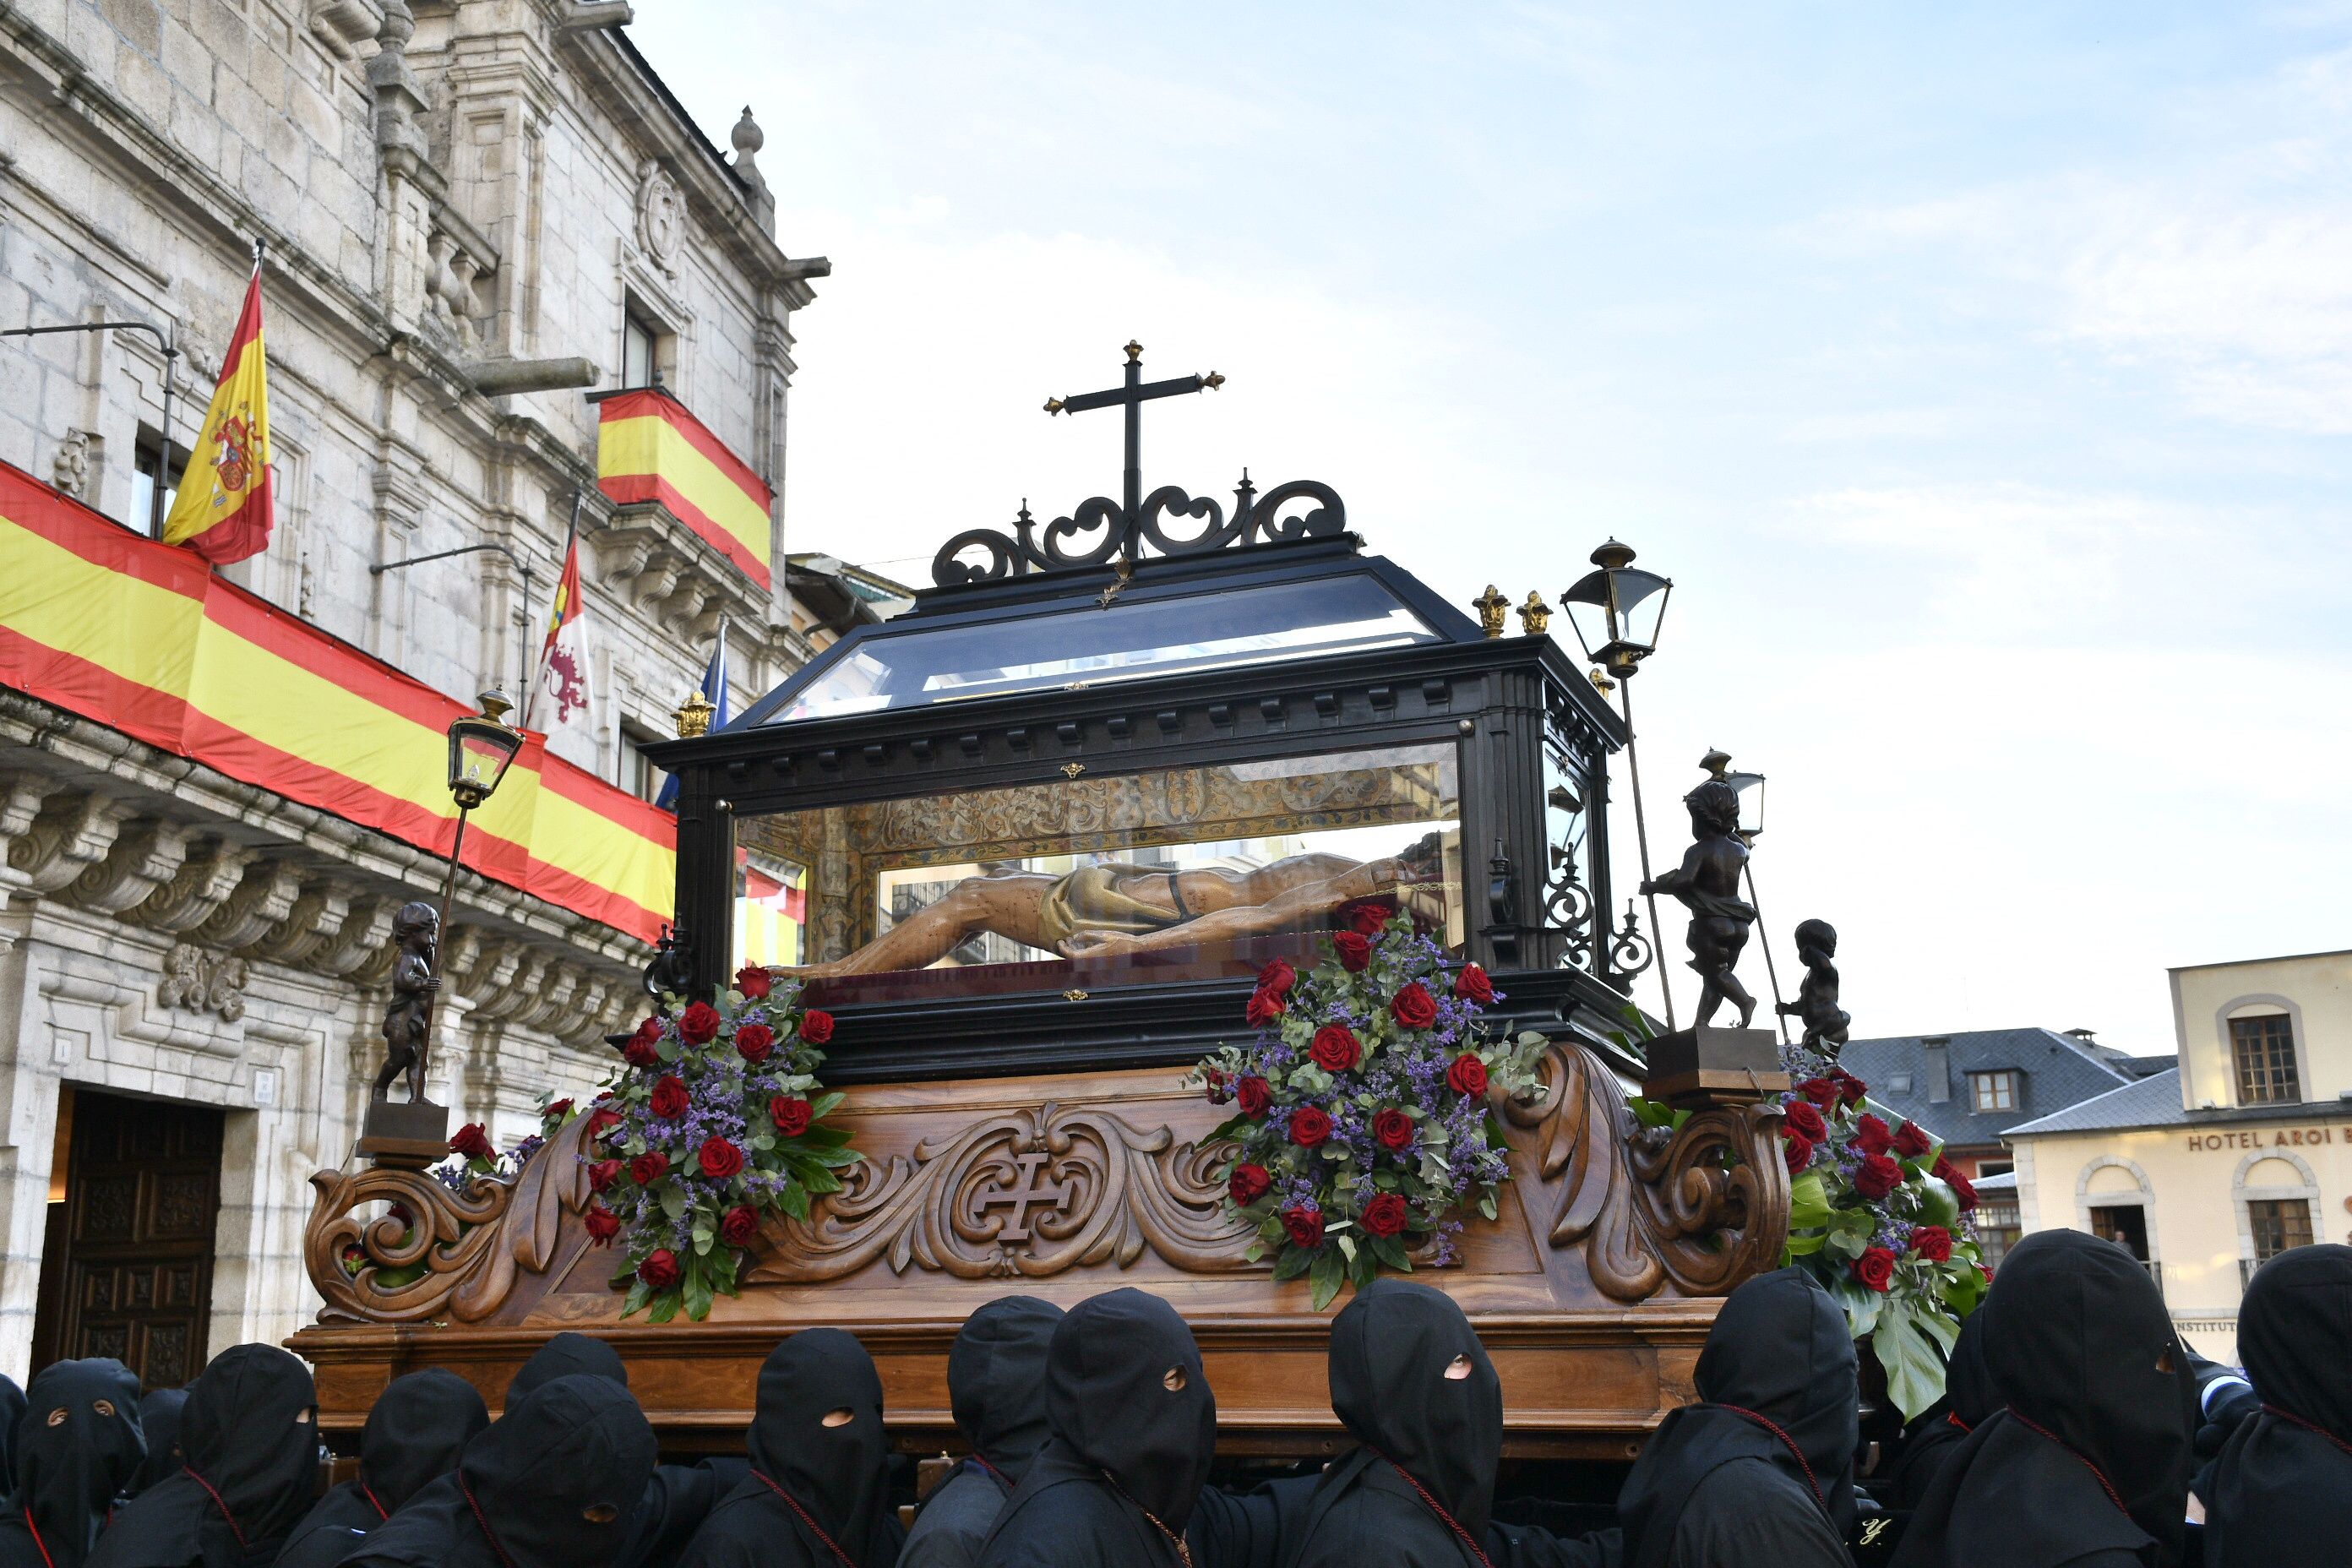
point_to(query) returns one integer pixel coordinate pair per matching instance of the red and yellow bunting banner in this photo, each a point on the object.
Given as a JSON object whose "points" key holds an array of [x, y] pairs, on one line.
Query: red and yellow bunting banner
{"points": [[147, 640], [224, 510], [649, 448]]}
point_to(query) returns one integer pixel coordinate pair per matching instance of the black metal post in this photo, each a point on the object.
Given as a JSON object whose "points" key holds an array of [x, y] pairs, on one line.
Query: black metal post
{"points": [[1133, 493], [1764, 936], [1642, 837], [441, 945]]}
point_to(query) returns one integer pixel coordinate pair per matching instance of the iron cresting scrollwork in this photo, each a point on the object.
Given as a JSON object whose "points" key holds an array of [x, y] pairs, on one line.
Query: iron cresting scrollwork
{"points": [[1109, 534]]}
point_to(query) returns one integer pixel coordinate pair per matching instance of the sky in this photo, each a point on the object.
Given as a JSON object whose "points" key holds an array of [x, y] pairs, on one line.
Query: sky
{"points": [[1982, 376]]}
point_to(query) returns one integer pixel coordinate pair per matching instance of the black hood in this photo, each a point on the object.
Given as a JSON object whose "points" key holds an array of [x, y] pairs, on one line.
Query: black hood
{"points": [[1969, 1386], [557, 1476], [1107, 1394], [2295, 1335], [568, 1355], [1390, 1348], [77, 1447], [2282, 1490], [158, 1422], [996, 1380], [834, 1472], [12, 1410], [414, 1432]]}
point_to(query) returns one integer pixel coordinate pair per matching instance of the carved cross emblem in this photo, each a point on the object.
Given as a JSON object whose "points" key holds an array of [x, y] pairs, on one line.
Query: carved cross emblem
{"points": [[1027, 1189]]}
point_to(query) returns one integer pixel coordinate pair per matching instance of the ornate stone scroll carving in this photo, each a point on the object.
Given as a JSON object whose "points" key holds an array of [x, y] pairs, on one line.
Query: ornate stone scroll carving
{"points": [[469, 1243], [1706, 1206], [1021, 1194]]}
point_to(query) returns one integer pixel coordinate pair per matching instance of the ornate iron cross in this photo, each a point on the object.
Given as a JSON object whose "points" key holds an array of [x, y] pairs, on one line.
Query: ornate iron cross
{"points": [[1132, 397], [1027, 1189]]}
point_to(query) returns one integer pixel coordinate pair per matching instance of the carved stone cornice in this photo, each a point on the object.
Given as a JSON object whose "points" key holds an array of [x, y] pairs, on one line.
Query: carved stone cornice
{"points": [[264, 898], [144, 855], [71, 833], [209, 874]]}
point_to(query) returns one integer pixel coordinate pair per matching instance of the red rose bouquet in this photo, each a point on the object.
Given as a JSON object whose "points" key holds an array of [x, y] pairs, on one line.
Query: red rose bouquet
{"points": [[712, 1120], [1362, 1125]]}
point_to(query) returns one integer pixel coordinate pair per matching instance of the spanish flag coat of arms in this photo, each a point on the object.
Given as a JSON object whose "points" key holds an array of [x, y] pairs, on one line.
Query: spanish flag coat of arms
{"points": [[223, 510]]}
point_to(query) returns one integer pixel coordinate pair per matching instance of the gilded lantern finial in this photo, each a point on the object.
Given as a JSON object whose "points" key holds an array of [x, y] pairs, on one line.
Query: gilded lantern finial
{"points": [[1491, 606], [1535, 615], [1603, 684], [693, 716]]}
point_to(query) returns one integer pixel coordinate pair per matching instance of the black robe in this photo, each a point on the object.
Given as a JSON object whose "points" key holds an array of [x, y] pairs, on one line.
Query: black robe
{"points": [[996, 1386], [552, 1480], [1968, 1399], [159, 1423], [1417, 1493], [415, 1432], [1127, 1450], [249, 1443], [2282, 1490], [1762, 1471], [2087, 1462], [77, 1447], [12, 1410], [817, 1495]]}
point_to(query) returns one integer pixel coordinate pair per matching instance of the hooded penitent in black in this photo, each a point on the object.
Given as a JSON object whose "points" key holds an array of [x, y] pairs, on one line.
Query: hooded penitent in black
{"points": [[249, 1440], [567, 1354], [815, 1497], [12, 1410], [996, 1386], [78, 1446], [550, 1485], [1762, 1471], [159, 1421], [2088, 1462], [2282, 1491], [1968, 1398], [1134, 1431], [415, 1432]]}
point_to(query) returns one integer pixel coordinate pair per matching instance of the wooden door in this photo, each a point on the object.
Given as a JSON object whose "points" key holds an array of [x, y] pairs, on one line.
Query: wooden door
{"points": [[129, 1269]]}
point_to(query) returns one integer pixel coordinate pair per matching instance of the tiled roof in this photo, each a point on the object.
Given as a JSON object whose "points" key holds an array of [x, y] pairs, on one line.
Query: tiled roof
{"points": [[2056, 1072], [2150, 1102]]}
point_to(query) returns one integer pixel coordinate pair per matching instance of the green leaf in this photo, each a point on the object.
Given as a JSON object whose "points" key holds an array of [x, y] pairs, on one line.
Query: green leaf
{"points": [[1964, 1291], [696, 1294], [1328, 1272], [665, 1307], [1253, 1252], [1860, 1304], [1348, 1247], [1808, 1202], [673, 1200], [1294, 1261], [1914, 1372], [1392, 1253], [821, 1106], [1802, 1247], [794, 1200]]}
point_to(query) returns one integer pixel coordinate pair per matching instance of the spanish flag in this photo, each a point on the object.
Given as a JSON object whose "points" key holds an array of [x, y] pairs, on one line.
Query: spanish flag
{"points": [[223, 510], [649, 448]]}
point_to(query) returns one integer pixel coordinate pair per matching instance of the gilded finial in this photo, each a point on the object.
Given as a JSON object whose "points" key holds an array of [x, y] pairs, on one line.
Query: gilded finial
{"points": [[1491, 606], [693, 716], [1535, 615], [1134, 352], [1603, 684]]}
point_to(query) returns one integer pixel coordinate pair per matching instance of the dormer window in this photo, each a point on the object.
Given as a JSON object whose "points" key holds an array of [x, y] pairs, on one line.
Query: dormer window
{"points": [[1993, 1090], [2264, 1049]]}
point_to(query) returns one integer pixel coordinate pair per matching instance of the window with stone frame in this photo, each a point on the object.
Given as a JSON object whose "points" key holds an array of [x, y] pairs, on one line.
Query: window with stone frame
{"points": [[2263, 1051], [1993, 1090], [638, 775], [2277, 1225], [147, 461], [647, 349]]}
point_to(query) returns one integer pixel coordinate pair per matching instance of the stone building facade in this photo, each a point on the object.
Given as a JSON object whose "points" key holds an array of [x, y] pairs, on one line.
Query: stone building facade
{"points": [[473, 213]]}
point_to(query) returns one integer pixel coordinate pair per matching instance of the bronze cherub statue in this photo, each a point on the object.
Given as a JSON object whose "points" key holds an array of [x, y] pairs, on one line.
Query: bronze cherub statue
{"points": [[1708, 882], [1817, 996], [416, 928]]}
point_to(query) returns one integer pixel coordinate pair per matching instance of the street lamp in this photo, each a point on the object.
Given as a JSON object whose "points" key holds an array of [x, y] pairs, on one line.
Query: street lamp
{"points": [[481, 748], [1617, 610]]}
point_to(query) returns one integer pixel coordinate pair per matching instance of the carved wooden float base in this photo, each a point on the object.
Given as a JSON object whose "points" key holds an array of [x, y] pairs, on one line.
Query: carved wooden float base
{"points": [[1590, 1287]]}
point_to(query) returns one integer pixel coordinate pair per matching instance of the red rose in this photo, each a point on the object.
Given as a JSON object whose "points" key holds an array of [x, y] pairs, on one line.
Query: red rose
{"points": [[1803, 1121], [648, 1167], [1911, 1140], [1385, 1215], [1871, 1135], [1392, 1128], [1874, 1269], [473, 1140], [1309, 1126], [1367, 919], [1798, 1152], [1877, 1176], [698, 1025], [640, 1052], [1278, 978], [754, 980], [603, 1173], [603, 1224], [816, 1026], [558, 1108], [1850, 1090], [1932, 1242], [1466, 1075], [600, 1121], [1248, 1184], [1254, 1096], [669, 1099], [1819, 1090], [1335, 1048], [1472, 985], [1355, 950], [1963, 1189], [1304, 1225], [739, 1227], [659, 1271], [754, 1041], [1414, 1007], [790, 1114], [719, 1158], [1264, 1008]]}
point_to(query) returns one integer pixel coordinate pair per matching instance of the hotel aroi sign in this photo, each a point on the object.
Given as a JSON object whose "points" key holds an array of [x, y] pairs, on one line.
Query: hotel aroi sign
{"points": [[2270, 1138]]}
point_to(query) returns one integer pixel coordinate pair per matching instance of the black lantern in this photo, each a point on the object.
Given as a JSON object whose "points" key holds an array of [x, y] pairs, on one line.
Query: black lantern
{"points": [[479, 750], [1630, 605]]}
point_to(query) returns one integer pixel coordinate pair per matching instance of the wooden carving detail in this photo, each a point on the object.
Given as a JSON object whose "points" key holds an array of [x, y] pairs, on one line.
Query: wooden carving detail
{"points": [[1706, 1206], [469, 1243], [1023, 1193]]}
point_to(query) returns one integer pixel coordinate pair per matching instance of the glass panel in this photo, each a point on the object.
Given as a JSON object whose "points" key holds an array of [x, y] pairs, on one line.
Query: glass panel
{"points": [[770, 909], [1088, 646], [1071, 884], [1568, 889]]}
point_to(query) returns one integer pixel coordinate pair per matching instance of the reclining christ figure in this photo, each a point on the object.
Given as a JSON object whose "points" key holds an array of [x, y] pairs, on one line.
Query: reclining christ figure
{"points": [[1117, 907]]}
